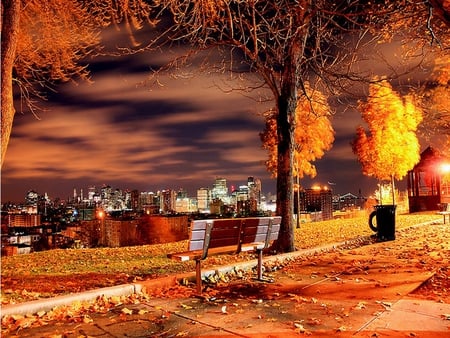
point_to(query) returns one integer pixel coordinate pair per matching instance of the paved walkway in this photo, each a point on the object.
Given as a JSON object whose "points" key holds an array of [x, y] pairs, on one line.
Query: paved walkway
{"points": [[365, 291]]}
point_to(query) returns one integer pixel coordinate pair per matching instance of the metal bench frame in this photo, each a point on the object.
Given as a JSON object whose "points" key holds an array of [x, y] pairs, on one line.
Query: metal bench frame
{"points": [[445, 210]]}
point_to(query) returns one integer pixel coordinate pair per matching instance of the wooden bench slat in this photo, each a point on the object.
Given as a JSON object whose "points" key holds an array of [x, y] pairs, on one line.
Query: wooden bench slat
{"points": [[255, 230], [223, 241], [199, 225], [197, 235], [196, 245], [222, 250], [186, 256], [253, 246]]}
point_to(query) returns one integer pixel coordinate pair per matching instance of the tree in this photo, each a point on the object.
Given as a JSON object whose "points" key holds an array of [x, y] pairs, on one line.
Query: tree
{"points": [[391, 147], [312, 139], [435, 97], [46, 42], [288, 43]]}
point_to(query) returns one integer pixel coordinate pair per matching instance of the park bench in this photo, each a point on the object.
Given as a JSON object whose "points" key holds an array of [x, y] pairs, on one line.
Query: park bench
{"points": [[228, 236], [445, 210]]}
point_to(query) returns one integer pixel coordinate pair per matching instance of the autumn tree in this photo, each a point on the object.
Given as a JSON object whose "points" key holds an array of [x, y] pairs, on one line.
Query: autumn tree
{"points": [[313, 137], [45, 43], [391, 147], [434, 97], [288, 43]]}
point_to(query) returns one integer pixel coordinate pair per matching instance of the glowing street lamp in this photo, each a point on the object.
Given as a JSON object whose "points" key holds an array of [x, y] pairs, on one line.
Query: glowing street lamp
{"points": [[445, 168]]}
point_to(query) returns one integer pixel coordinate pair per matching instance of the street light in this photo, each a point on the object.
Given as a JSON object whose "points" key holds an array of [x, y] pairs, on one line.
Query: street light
{"points": [[445, 168], [297, 195]]}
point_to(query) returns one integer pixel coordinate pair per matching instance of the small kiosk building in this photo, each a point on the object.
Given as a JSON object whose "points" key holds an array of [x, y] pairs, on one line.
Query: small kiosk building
{"points": [[429, 182]]}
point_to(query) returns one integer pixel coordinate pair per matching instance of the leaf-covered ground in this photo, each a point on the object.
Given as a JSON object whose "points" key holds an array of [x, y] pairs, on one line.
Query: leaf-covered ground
{"points": [[55, 272], [325, 291]]}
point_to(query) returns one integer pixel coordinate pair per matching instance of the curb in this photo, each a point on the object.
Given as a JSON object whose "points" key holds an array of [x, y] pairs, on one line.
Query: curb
{"points": [[36, 306]]}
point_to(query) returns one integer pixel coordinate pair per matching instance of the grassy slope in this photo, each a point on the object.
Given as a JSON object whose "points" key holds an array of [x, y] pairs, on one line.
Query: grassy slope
{"points": [[151, 259]]}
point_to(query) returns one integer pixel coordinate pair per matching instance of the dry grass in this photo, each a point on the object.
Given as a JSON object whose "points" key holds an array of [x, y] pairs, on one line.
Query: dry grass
{"points": [[44, 274], [151, 259]]}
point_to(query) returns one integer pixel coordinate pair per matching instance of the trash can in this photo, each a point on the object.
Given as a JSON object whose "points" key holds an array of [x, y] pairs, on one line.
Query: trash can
{"points": [[385, 222]]}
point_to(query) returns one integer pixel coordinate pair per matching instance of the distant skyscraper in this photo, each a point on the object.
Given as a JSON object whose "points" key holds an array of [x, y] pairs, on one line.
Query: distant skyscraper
{"points": [[254, 186], [203, 199], [91, 193], [31, 202], [220, 189], [167, 201]]}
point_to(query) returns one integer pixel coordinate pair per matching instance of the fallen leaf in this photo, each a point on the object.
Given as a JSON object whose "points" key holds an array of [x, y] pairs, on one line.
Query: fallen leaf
{"points": [[360, 306], [299, 327], [127, 311], [87, 319]]}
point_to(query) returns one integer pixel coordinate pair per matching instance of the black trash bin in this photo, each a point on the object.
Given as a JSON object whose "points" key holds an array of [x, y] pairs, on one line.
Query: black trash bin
{"points": [[385, 222]]}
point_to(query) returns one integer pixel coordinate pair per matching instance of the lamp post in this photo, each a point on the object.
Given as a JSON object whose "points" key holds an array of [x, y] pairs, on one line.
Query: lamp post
{"points": [[297, 195]]}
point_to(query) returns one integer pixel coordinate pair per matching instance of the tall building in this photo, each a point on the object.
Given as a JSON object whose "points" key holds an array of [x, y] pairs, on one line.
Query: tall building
{"points": [[149, 202], [91, 193], [31, 202], [134, 200], [203, 200], [255, 190], [220, 189], [317, 200], [185, 205], [167, 201]]}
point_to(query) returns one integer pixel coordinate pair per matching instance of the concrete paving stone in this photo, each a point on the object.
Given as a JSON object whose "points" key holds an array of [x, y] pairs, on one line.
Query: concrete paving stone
{"points": [[418, 318]]}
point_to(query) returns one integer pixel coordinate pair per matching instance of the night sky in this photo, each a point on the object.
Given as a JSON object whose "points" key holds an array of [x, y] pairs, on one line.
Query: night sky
{"points": [[119, 132]]}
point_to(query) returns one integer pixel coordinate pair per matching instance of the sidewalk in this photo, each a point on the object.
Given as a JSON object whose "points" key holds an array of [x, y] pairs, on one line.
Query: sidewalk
{"points": [[365, 291]]}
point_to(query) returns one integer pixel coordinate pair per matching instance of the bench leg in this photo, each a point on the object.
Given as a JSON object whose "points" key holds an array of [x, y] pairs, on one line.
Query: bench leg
{"points": [[198, 276], [259, 271]]}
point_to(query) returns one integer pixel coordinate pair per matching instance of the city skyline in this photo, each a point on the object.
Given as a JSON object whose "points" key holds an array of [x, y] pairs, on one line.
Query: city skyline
{"points": [[86, 193]]}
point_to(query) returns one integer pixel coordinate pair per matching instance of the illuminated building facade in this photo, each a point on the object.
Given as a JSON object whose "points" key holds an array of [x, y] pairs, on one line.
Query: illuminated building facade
{"points": [[316, 200], [203, 200]]}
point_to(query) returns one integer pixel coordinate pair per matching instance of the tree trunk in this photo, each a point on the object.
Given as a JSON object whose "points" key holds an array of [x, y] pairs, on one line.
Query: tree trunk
{"points": [[287, 104], [10, 16], [285, 183]]}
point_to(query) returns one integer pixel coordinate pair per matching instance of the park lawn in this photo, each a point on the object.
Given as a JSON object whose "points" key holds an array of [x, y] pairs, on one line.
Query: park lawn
{"points": [[60, 271]]}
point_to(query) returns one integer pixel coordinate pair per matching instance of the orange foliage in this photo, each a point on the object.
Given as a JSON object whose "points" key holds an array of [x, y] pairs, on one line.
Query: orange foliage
{"points": [[390, 148], [313, 134]]}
